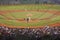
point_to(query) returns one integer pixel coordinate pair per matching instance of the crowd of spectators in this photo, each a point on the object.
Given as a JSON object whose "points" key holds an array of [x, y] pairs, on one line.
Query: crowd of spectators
{"points": [[45, 33]]}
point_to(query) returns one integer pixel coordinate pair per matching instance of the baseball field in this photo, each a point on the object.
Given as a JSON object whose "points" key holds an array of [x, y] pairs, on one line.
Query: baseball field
{"points": [[14, 16]]}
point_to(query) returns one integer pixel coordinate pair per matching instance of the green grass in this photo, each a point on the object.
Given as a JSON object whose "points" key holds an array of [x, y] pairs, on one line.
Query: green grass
{"points": [[30, 7], [40, 15], [24, 15]]}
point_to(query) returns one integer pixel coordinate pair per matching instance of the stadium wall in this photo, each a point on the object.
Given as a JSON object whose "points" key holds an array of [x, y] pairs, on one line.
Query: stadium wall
{"points": [[3, 2]]}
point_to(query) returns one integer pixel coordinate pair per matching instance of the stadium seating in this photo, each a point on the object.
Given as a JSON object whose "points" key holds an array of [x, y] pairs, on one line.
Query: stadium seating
{"points": [[46, 33]]}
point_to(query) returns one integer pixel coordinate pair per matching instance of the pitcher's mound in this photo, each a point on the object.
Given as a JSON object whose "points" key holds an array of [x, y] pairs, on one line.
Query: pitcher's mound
{"points": [[23, 20]]}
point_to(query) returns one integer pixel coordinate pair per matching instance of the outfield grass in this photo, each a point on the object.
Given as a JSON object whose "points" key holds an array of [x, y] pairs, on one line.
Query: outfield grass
{"points": [[35, 15], [30, 7]]}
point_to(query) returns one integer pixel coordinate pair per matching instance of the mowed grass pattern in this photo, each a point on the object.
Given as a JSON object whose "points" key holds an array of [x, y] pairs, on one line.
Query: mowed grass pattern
{"points": [[30, 7], [35, 15]]}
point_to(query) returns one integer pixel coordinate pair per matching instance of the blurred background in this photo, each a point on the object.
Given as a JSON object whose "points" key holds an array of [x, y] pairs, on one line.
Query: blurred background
{"points": [[29, 2]]}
